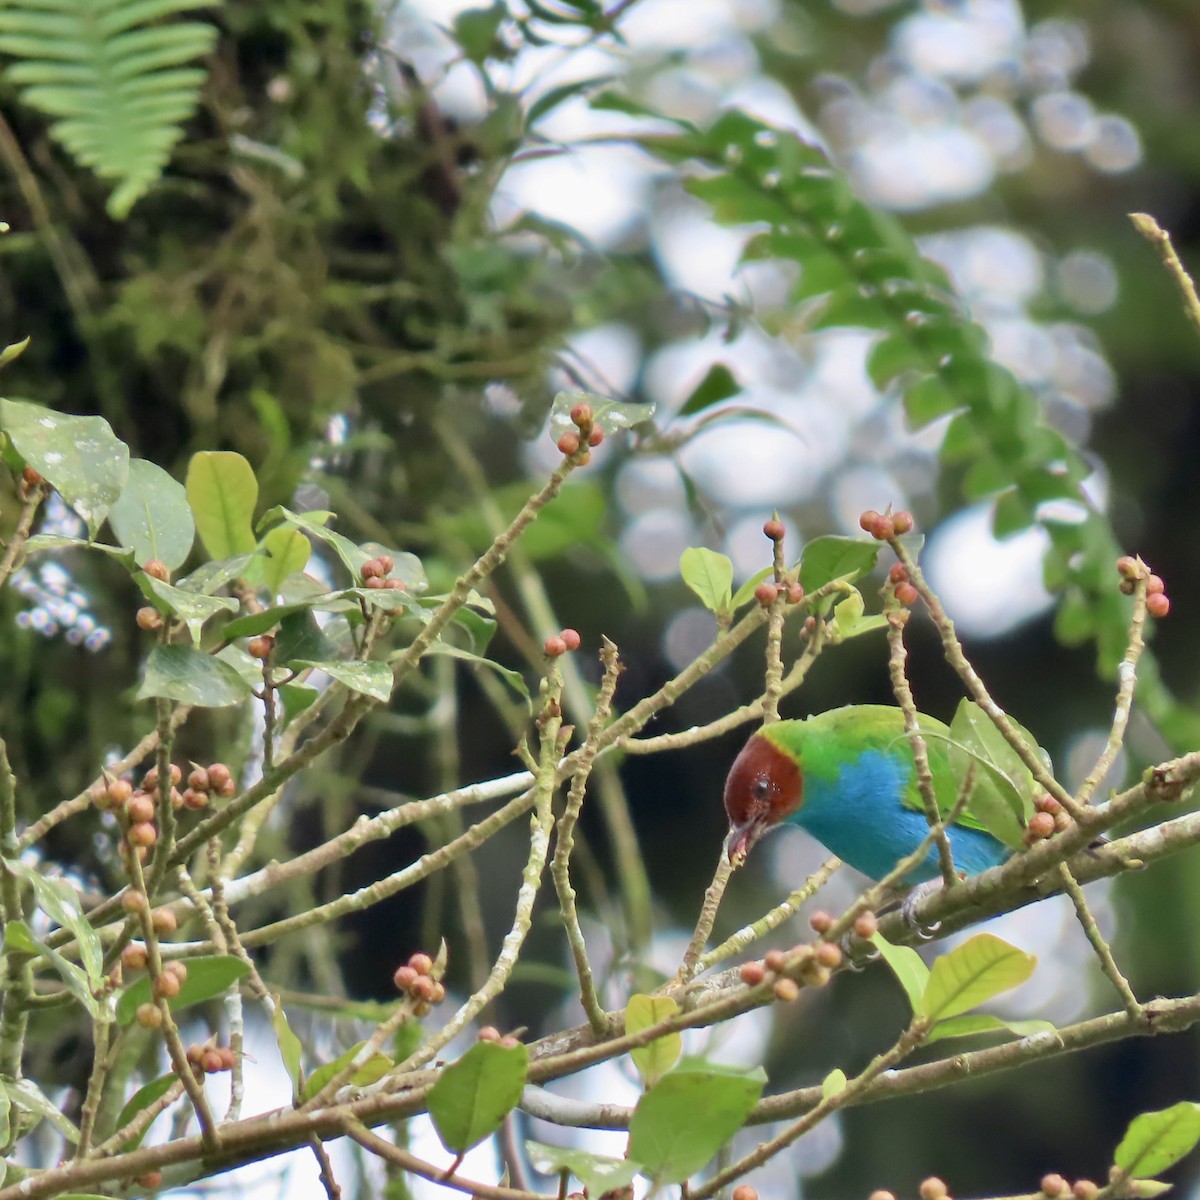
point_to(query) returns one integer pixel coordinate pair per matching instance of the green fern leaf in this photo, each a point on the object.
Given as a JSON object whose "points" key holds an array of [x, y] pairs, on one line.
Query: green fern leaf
{"points": [[113, 76]]}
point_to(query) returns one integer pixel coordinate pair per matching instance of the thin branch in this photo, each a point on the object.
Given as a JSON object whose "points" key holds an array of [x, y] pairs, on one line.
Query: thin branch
{"points": [[704, 924], [1108, 964], [1150, 229], [33, 498]]}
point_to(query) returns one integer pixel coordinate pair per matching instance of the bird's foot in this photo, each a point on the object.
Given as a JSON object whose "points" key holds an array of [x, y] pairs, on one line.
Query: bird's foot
{"points": [[908, 908]]}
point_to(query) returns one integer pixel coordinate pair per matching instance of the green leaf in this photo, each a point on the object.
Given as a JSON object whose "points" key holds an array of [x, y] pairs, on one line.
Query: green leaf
{"points": [[833, 1083], [60, 902], [717, 385], [514, 679], [473, 1095], [970, 974], [849, 621], [828, 558], [597, 1172], [374, 1069], [30, 1097], [285, 551], [18, 936], [152, 516], [301, 639], [911, 972], [253, 624], [290, 1048], [222, 491], [185, 674], [213, 576], [710, 576], [192, 608], [970, 1024], [475, 30], [372, 679], [56, 541], [656, 1059], [688, 1115], [10, 352], [1155, 1141], [80, 457], [208, 976], [143, 1098]]}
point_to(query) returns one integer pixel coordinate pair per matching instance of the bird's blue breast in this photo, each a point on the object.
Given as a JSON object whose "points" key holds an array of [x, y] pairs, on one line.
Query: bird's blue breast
{"points": [[860, 816]]}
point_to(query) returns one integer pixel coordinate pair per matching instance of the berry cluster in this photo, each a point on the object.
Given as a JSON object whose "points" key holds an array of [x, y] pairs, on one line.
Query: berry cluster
{"points": [[1049, 819], [1055, 1186], [416, 979], [377, 573], [902, 586], [560, 643], [785, 970], [886, 525], [767, 593], [572, 444], [165, 986], [139, 807], [1131, 570], [208, 1060], [489, 1033]]}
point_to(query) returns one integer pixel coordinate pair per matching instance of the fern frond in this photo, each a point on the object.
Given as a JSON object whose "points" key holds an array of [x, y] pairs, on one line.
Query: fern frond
{"points": [[114, 78]]}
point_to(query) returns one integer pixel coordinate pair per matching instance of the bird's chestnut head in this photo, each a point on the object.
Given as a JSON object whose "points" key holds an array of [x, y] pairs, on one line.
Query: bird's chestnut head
{"points": [[764, 787]]}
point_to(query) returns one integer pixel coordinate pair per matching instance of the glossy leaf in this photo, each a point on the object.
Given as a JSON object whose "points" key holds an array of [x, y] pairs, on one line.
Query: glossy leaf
{"points": [[514, 679], [710, 576], [80, 457], [30, 1097], [185, 674], [907, 965], [152, 516], [18, 936], [194, 609], [285, 551], [208, 976], [597, 1172], [685, 1118], [372, 679], [143, 1098], [352, 556], [1155, 1141], [608, 415], [828, 558], [213, 576], [301, 639], [374, 1069], [473, 1095], [970, 1024], [60, 902], [223, 492], [972, 973], [656, 1059]]}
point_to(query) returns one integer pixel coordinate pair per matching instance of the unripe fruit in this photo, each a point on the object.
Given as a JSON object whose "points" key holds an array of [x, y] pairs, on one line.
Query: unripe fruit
{"points": [[421, 963], [766, 594], [395, 585], [422, 989], [1041, 825], [595, 437], [898, 573], [1047, 803], [752, 973], [489, 1033], [820, 921], [150, 779], [198, 780], [228, 1058], [744, 1191], [866, 925], [219, 774], [775, 960], [1054, 1185], [194, 1053], [867, 519], [157, 569], [176, 968], [883, 529], [143, 834], [570, 638], [585, 458], [386, 563], [151, 1179], [786, 990], [568, 444], [148, 619], [261, 646], [372, 569], [1085, 1189], [404, 978], [133, 901], [1158, 605], [903, 522], [774, 529], [119, 792], [1154, 585], [829, 954], [134, 957], [212, 1061], [509, 1042], [814, 974], [907, 594], [933, 1189], [194, 800], [554, 646], [165, 986], [795, 593], [164, 921], [227, 789], [881, 1194], [1127, 566], [581, 415], [140, 808], [148, 1016]]}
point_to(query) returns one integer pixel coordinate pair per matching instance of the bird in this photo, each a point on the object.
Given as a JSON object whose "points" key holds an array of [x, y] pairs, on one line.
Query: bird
{"points": [[848, 777]]}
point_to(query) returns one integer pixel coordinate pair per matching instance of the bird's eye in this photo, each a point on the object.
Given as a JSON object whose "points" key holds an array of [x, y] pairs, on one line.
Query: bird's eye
{"points": [[762, 790]]}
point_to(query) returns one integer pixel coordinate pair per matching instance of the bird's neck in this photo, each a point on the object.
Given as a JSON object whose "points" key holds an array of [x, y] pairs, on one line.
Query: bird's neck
{"points": [[859, 788]]}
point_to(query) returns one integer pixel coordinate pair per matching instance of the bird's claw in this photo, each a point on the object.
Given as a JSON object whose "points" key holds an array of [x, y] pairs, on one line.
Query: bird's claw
{"points": [[910, 903]]}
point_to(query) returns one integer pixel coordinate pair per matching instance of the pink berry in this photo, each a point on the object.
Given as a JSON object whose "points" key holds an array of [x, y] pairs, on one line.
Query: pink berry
{"points": [[774, 529], [1158, 605], [568, 444], [766, 594], [554, 646]]}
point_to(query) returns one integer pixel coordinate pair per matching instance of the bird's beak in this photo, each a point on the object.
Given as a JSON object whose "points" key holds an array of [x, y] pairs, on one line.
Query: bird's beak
{"points": [[740, 839]]}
